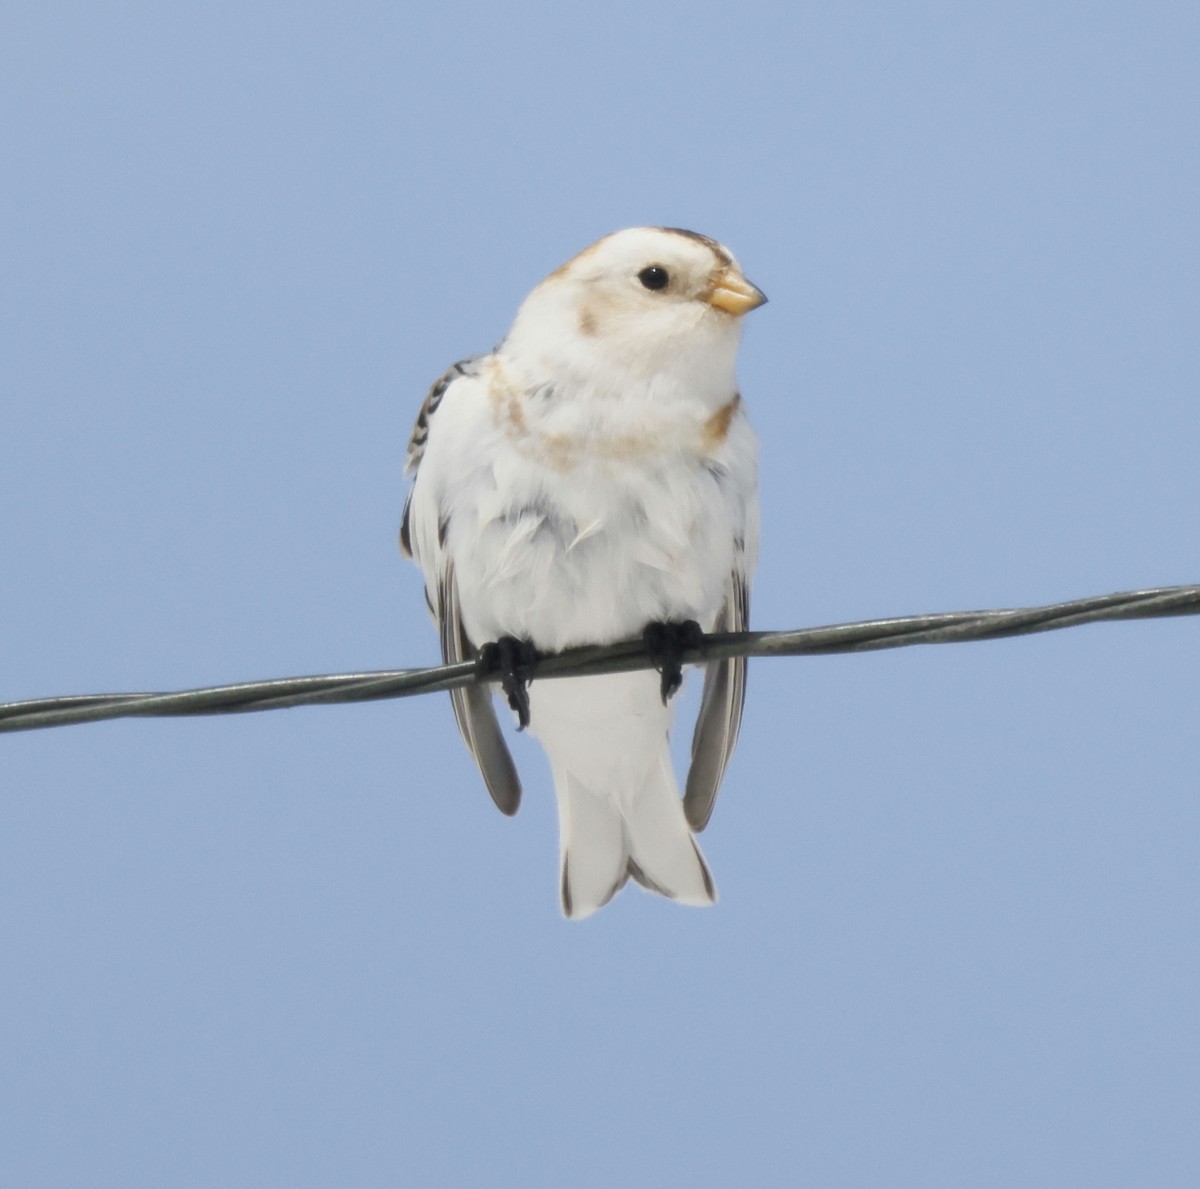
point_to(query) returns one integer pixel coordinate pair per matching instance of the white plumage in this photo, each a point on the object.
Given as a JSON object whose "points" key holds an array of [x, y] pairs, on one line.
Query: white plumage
{"points": [[595, 474]]}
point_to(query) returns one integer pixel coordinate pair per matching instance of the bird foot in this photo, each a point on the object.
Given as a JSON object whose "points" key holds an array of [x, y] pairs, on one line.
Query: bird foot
{"points": [[513, 661], [666, 643]]}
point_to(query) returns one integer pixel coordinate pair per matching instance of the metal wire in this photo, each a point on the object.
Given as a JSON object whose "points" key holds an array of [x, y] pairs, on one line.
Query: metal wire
{"points": [[954, 627]]}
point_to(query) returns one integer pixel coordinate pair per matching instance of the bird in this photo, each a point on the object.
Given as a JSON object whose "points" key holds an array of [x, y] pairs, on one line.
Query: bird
{"points": [[591, 480]]}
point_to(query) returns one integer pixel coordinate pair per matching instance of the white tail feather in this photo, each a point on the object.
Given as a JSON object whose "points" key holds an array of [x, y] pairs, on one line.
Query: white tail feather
{"points": [[619, 810], [606, 838], [593, 852], [663, 854]]}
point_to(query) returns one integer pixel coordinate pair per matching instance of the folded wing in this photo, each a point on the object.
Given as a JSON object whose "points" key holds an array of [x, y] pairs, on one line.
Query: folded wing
{"points": [[720, 716]]}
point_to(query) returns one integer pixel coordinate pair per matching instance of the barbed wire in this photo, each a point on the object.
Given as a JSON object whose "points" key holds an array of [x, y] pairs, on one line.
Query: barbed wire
{"points": [[953, 627]]}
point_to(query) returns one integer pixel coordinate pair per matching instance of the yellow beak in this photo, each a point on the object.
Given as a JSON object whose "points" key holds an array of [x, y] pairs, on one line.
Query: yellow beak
{"points": [[735, 295]]}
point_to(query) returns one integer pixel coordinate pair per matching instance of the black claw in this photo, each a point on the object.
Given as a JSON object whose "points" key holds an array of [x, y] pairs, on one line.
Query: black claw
{"points": [[666, 643], [514, 661]]}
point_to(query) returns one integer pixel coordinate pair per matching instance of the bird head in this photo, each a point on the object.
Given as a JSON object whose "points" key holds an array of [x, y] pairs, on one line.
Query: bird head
{"points": [[643, 303]]}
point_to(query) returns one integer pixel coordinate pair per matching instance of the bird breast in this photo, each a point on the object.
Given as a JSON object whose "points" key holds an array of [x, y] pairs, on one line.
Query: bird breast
{"points": [[564, 426]]}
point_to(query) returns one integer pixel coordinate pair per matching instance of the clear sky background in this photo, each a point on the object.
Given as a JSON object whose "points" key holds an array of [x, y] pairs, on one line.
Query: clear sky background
{"points": [[958, 936]]}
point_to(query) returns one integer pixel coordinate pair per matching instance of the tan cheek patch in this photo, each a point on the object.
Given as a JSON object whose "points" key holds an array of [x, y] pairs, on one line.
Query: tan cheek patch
{"points": [[599, 309]]}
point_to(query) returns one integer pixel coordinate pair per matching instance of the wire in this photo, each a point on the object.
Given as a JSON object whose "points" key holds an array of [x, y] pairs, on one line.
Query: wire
{"points": [[954, 627]]}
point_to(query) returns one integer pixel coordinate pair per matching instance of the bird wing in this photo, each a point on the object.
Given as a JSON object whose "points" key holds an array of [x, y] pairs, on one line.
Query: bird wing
{"points": [[423, 537], [473, 707], [721, 705]]}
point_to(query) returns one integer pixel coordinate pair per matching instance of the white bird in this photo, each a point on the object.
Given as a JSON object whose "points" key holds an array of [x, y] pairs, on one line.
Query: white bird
{"points": [[593, 479]]}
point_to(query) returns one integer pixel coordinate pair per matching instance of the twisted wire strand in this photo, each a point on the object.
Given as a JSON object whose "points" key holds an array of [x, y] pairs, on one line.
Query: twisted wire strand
{"points": [[953, 627]]}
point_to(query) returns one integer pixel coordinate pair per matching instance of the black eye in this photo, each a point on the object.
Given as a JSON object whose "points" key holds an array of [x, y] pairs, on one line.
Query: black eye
{"points": [[655, 277]]}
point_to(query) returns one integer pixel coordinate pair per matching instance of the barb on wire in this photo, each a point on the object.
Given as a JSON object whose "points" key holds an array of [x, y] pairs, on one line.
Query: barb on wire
{"points": [[951, 627]]}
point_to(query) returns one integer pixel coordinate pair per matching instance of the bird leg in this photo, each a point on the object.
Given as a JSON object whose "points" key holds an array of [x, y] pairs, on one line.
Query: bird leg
{"points": [[666, 643], [513, 661]]}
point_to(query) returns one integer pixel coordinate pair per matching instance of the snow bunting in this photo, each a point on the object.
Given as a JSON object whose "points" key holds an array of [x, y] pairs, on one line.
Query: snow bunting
{"points": [[591, 480]]}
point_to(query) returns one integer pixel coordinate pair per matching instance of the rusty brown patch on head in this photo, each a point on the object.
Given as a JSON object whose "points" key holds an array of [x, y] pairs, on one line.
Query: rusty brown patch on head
{"points": [[716, 428], [717, 250], [587, 323]]}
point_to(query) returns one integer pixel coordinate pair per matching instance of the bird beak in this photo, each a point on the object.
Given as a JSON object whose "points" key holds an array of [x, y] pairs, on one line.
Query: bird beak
{"points": [[735, 295]]}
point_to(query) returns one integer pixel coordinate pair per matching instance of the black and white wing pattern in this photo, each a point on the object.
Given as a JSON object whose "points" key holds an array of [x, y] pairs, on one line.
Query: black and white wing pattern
{"points": [[422, 537]]}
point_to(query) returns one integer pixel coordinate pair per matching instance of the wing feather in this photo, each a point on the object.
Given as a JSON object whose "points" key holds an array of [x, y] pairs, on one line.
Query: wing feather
{"points": [[474, 710], [423, 537], [420, 435], [720, 716]]}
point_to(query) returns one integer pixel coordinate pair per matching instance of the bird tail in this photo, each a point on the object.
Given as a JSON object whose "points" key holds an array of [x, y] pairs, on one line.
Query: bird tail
{"points": [[639, 832]]}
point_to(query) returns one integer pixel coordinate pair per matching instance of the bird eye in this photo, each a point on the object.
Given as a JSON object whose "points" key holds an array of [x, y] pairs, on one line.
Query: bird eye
{"points": [[655, 277]]}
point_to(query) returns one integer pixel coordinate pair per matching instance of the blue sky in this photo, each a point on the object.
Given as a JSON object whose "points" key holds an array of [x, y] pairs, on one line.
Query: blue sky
{"points": [[957, 940]]}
